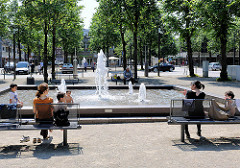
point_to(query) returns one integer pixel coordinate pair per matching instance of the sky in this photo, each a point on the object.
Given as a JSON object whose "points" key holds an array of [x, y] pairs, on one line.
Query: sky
{"points": [[88, 11]]}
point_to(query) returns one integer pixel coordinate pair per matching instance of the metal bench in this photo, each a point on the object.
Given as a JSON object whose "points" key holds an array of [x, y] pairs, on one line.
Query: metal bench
{"points": [[18, 123], [69, 78], [180, 117]]}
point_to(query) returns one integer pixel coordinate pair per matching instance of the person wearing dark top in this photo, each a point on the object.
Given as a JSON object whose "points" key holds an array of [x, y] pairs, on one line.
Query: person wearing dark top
{"points": [[198, 112]]}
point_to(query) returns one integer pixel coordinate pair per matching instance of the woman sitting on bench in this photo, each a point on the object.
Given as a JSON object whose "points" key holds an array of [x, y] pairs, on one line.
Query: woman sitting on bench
{"points": [[42, 108], [195, 93], [217, 112]]}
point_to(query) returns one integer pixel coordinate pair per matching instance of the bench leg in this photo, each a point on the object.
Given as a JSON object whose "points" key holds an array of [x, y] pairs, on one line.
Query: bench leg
{"points": [[182, 132], [65, 137]]}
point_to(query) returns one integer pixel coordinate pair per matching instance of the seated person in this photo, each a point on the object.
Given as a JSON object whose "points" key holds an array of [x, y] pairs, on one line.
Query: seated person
{"points": [[68, 98], [128, 76], [60, 111], [223, 113], [42, 107], [61, 100], [230, 106]]}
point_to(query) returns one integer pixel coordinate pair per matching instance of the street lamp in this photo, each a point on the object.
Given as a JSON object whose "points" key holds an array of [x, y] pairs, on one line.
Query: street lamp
{"points": [[75, 73], [159, 34]]}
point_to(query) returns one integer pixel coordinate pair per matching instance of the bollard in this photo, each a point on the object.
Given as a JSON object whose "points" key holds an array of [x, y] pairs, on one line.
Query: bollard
{"points": [[4, 73], [146, 69], [205, 69]]}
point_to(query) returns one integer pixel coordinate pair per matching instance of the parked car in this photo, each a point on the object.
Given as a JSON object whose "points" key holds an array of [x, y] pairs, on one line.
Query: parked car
{"points": [[9, 68], [67, 67], [162, 67], [214, 66], [23, 68]]}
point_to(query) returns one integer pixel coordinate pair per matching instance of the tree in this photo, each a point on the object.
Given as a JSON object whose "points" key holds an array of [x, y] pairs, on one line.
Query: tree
{"points": [[3, 17], [102, 32], [218, 16], [183, 18]]}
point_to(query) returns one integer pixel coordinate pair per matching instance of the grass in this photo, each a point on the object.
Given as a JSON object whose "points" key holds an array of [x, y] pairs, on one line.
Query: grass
{"points": [[223, 80]]}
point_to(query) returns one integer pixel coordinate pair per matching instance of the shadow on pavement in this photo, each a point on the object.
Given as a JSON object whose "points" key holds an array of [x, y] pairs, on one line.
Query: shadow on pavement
{"points": [[42, 151], [213, 144]]}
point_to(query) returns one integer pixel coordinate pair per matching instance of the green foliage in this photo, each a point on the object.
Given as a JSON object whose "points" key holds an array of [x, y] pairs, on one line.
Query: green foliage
{"points": [[3, 17]]}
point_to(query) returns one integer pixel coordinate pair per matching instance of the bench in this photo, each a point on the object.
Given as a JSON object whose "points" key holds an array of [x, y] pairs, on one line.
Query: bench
{"points": [[69, 78], [179, 117], [19, 123]]}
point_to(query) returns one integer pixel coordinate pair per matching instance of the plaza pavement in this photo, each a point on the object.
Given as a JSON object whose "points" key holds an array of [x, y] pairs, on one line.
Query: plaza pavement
{"points": [[133, 145], [138, 145]]}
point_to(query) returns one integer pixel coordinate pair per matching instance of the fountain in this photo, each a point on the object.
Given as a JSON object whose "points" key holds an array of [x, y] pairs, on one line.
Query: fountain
{"points": [[142, 93], [62, 87], [99, 101], [101, 75], [130, 87]]}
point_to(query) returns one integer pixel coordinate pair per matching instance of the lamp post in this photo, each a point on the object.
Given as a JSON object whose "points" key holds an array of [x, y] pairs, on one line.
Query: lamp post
{"points": [[75, 73], [159, 56]]}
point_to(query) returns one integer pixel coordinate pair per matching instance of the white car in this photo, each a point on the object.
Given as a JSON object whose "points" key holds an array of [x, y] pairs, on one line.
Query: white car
{"points": [[67, 67], [214, 66], [22, 68]]}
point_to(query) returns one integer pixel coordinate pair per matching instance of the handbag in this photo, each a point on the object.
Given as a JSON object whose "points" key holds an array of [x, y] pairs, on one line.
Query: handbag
{"points": [[61, 118], [8, 111], [188, 105]]}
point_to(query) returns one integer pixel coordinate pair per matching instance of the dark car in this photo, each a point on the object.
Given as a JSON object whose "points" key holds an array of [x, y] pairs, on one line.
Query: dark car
{"points": [[162, 67]]}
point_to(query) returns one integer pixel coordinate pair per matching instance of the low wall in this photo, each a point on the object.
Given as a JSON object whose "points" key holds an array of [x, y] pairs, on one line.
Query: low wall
{"points": [[112, 111], [233, 72]]}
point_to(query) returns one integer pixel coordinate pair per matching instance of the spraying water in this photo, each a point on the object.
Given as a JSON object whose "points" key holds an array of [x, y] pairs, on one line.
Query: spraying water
{"points": [[142, 93], [130, 87], [62, 87], [101, 75]]}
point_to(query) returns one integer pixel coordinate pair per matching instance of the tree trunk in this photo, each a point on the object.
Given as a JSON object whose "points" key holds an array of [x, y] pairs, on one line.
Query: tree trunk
{"points": [[72, 58], [107, 56], [29, 54], [141, 55], [223, 40], [189, 44], [159, 52], [53, 51], [239, 54], [124, 48], [149, 53], [25, 56], [19, 47], [210, 56], [65, 56], [45, 60], [135, 32]]}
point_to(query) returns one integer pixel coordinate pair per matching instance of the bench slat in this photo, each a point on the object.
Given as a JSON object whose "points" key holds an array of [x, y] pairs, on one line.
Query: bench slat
{"points": [[9, 127], [182, 120]]}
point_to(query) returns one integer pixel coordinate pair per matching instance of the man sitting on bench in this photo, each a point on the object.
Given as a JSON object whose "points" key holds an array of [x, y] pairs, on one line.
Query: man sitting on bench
{"points": [[128, 76]]}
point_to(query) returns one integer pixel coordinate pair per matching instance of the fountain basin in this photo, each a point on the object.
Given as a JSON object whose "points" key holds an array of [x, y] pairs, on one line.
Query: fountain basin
{"points": [[112, 110]]}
